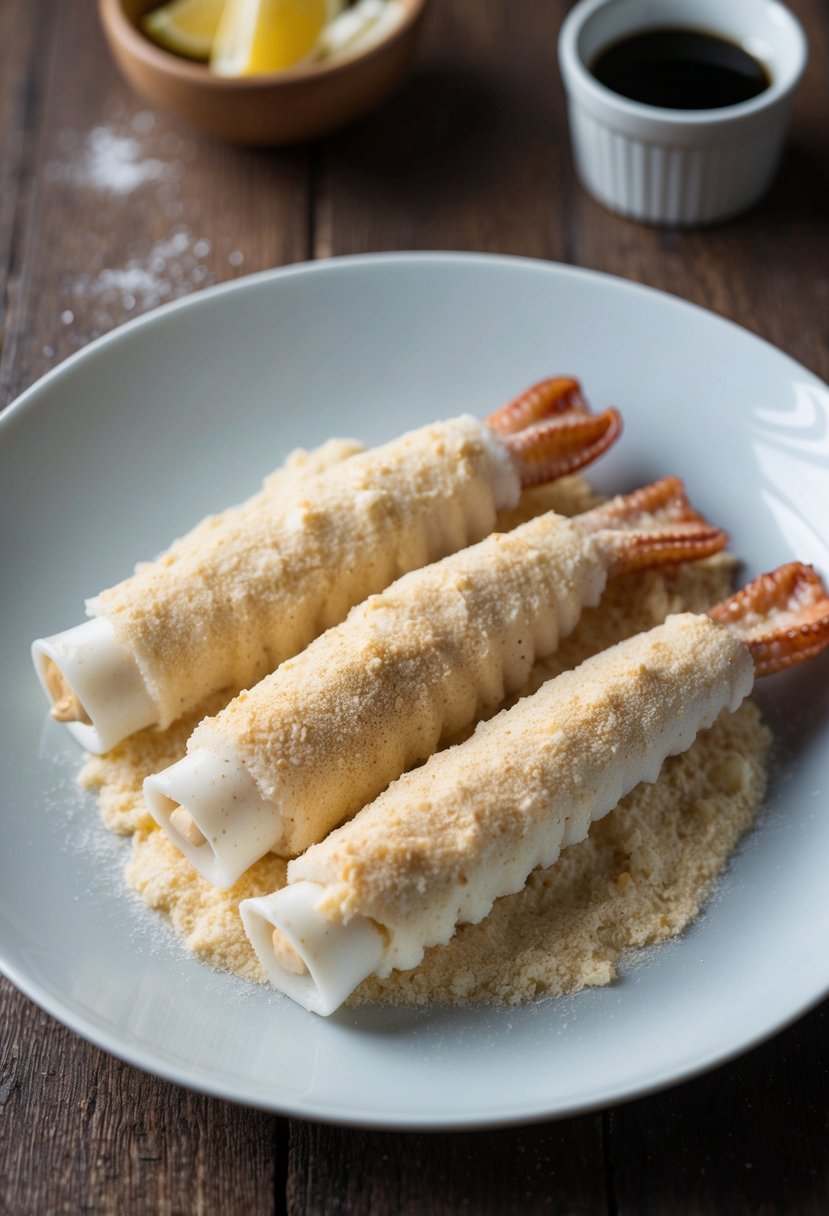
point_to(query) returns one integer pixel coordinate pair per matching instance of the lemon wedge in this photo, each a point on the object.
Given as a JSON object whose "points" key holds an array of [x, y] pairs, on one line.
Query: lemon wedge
{"points": [[256, 36], [185, 27], [359, 27]]}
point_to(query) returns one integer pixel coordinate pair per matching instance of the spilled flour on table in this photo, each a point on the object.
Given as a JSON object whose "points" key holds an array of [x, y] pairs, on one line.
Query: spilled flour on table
{"points": [[170, 268], [130, 165], [639, 878], [109, 160]]}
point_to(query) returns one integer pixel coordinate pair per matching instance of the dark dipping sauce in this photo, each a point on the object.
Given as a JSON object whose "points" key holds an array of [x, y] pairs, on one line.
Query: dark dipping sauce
{"points": [[680, 70]]}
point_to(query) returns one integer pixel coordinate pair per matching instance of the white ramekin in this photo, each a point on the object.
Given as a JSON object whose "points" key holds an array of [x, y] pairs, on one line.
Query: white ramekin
{"points": [[679, 167]]}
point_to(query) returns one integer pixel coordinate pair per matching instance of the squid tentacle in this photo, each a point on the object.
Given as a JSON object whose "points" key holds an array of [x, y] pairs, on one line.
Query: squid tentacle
{"points": [[554, 395], [562, 445], [782, 616]]}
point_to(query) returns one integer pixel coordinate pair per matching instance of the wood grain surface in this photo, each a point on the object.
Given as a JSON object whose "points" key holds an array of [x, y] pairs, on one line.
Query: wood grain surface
{"points": [[473, 153]]}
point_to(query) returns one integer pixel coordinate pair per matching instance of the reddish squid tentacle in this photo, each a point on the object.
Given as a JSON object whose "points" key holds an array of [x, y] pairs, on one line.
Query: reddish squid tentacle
{"points": [[654, 526], [661, 502], [783, 617], [555, 395], [562, 445], [685, 542]]}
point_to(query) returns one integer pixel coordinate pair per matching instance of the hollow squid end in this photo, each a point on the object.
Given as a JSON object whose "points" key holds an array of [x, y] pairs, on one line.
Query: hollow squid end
{"points": [[93, 685], [315, 961], [782, 617], [186, 826], [211, 809], [66, 706]]}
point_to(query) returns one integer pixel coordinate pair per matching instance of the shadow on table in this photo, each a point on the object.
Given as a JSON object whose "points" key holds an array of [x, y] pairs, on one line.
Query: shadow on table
{"points": [[800, 193], [446, 130]]}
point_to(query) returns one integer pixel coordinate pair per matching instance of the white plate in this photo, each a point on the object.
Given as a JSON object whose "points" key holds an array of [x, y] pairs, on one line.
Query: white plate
{"points": [[183, 411]]}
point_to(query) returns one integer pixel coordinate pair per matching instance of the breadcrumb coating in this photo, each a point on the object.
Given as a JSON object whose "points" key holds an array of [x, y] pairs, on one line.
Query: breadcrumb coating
{"points": [[639, 878], [249, 588], [443, 842], [328, 730]]}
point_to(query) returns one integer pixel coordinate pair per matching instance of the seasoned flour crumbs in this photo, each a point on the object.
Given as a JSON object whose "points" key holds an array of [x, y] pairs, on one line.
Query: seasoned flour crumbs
{"points": [[639, 878]]}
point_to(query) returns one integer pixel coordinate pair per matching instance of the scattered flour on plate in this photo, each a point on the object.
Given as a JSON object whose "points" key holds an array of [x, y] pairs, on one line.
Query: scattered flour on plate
{"points": [[640, 877]]}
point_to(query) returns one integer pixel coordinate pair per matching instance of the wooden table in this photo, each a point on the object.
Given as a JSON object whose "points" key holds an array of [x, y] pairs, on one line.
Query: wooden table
{"points": [[107, 209]]}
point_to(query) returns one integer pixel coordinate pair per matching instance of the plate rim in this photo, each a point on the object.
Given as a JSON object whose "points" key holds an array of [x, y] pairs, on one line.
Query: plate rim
{"points": [[194, 299], [352, 1117]]}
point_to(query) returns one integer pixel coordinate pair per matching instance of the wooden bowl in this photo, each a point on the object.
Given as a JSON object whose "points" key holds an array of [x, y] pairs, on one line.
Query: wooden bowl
{"points": [[288, 107]]}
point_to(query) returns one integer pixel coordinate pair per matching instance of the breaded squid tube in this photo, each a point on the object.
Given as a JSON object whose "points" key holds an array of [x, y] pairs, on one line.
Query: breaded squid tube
{"points": [[324, 734], [246, 590], [90, 676], [448, 839]]}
